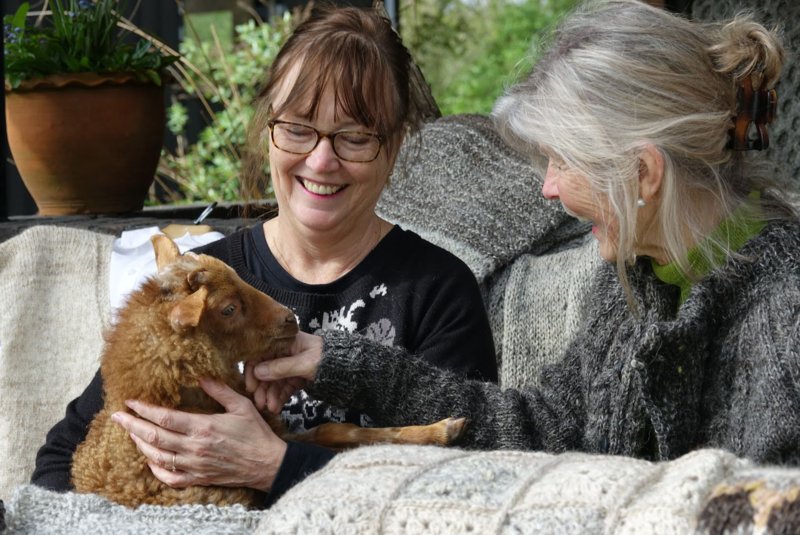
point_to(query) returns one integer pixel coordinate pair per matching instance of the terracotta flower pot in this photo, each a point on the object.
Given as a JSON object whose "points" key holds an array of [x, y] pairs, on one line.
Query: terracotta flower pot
{"points": [[86, 143]]}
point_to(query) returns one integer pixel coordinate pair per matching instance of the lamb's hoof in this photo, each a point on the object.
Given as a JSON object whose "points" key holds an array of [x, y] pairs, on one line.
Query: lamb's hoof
{"points": [[455, 428]]}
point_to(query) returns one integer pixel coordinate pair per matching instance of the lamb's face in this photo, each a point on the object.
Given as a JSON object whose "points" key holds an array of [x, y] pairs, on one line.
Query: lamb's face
{"points": [[243, 321], [207, 300]]}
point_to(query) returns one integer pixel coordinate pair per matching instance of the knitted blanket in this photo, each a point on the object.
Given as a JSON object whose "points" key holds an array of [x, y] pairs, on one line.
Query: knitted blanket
{"points": [[417, 489], [457, 184], [431, 490], [486, 207], [55, 305], [36, 510], [535, 307]]}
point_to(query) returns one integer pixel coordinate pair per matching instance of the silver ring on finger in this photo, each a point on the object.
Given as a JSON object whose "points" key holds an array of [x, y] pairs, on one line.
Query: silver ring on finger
{"points": [[173, 462]]}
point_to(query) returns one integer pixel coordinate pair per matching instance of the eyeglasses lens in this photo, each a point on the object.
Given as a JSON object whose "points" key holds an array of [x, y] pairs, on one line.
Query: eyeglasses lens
{"points": [[302, 139]]}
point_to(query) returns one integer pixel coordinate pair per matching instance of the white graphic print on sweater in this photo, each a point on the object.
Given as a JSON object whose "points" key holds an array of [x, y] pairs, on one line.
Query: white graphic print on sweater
{"points": [[378, 290], [381, 331], [337, 320], [302, 412]]}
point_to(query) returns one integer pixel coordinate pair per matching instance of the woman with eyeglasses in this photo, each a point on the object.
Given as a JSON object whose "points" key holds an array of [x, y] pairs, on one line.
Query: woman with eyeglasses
{"points": [[691, 339], [338, 101]]}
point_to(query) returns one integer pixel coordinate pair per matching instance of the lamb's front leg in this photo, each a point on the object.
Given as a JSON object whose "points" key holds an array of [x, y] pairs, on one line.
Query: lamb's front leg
{"points": [[342, 436]]}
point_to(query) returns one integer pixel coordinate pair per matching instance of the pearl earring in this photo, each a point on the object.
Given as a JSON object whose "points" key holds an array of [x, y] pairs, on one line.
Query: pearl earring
{"points": [[640, 203]]}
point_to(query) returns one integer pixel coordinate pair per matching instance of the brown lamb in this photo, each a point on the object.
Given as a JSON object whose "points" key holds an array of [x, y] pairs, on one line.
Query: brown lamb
{"points": [[196, 318]]}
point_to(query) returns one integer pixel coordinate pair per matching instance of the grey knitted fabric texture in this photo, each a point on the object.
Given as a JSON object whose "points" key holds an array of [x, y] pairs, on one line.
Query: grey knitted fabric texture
{"points": [[460, 186], [536, 306], [457, 184], [431, 490], [784, 149], [36, 510], [417, 489]]}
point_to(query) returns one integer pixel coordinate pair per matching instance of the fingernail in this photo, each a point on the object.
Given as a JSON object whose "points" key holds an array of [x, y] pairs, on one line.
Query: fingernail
{"points": [[116, 418], [131, 403]]}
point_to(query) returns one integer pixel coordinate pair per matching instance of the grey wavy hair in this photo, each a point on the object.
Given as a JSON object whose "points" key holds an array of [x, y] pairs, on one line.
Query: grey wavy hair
{"points": [[621, 74]]}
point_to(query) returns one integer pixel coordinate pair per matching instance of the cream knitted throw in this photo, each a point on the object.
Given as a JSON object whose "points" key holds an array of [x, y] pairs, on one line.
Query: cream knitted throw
{"points": [[430, 490], [54, 296], [419, 489]]}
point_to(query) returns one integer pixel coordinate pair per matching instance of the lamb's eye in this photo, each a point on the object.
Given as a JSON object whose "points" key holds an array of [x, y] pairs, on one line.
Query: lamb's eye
{"points": [[228, 310]]}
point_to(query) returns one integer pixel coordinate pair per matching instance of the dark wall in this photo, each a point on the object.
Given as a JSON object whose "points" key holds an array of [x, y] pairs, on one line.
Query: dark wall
{"points": [[678, 6], [14, 198], [3, 193]]}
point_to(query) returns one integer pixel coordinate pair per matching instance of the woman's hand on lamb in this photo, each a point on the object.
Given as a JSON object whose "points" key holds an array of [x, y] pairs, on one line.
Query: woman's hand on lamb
{"points": [[234, 448], [274, 381]]}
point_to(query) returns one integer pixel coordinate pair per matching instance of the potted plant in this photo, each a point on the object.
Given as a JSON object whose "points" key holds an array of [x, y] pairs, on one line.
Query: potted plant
{"points": [[84, 107]]}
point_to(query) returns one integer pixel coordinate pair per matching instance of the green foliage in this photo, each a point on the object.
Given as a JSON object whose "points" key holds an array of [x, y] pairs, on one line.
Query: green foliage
{"points": [[470, 51], [79, 36], [208, 169], [206, 26]]}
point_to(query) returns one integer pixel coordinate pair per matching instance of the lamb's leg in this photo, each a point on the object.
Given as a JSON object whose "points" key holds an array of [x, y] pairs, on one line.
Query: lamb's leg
{"points": [[341, 436]]}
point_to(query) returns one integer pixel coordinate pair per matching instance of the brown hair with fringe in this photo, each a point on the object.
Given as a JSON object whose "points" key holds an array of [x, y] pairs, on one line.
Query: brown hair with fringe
{"points": [[357, 53]]}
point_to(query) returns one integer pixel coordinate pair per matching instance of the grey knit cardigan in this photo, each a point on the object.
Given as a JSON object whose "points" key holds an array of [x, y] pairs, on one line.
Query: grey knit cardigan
{"points": [[724, 371]]}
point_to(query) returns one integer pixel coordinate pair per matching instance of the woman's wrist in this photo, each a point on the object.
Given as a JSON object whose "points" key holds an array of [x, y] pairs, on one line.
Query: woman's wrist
{"points": [[301, 459], [314, 349], [270, 467]]}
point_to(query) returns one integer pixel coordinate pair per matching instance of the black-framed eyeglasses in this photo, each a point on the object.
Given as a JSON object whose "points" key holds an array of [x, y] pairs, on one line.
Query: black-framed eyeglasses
{"points": [[348, 145]]}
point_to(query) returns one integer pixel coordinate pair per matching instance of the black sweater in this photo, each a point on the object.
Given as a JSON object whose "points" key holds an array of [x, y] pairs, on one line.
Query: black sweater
{"points": [[406, 292]]}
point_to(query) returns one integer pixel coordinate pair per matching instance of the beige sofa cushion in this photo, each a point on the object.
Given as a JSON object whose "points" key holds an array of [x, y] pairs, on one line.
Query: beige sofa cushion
{"points": [[54, 295]]}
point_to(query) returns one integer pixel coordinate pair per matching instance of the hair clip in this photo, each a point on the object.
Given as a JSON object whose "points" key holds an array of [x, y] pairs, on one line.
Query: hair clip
{"points": [[755, 108]]}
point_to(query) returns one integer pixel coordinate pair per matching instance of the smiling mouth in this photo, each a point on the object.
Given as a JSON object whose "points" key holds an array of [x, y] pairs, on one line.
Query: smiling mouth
{"points": [[321, 189]]}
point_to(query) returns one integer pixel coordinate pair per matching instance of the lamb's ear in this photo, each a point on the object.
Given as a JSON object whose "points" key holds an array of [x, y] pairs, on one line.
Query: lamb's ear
{"points": [[166, 250], [189, 310]]}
